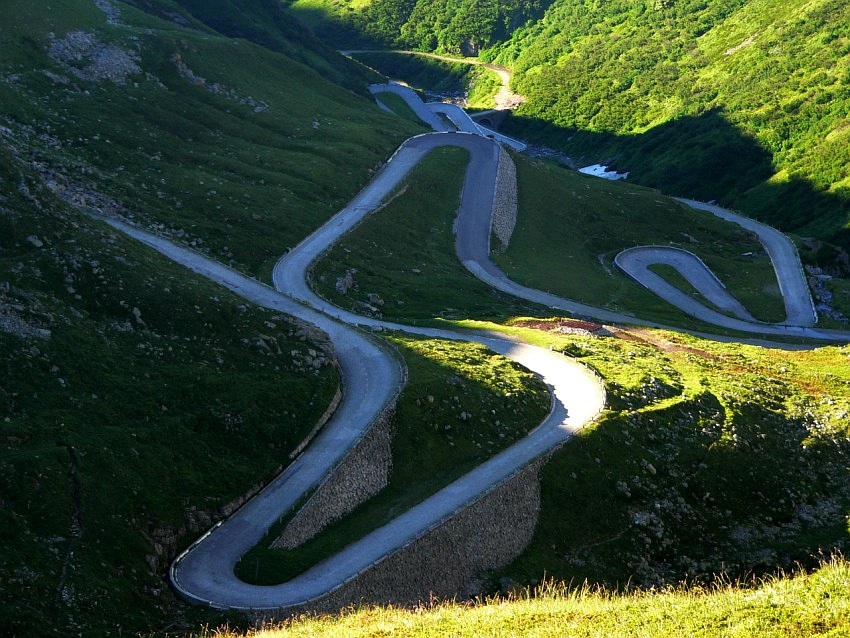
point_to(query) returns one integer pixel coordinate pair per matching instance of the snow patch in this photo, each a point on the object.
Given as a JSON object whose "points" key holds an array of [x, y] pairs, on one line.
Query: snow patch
{"points": [[597, 170]]}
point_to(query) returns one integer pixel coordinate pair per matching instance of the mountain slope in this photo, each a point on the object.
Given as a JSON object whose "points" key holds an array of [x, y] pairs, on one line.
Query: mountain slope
{"points": [[139, 403], [265, 23], [773, 75], [246, 136], [742, 102]]}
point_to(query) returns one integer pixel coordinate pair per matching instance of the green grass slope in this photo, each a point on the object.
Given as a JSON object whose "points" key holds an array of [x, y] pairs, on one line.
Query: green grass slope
{"points": [[226, 145], [741, 102], [265, 23], [138, 403], [712, 458], [805, 605]]}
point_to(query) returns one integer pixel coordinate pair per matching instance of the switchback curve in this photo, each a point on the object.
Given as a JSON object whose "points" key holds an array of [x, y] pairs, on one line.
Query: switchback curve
{"points": [[204, 573]]}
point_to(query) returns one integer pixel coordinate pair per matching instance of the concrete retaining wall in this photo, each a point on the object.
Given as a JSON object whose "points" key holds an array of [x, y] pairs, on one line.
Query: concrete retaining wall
{"points": [[359, 476]]}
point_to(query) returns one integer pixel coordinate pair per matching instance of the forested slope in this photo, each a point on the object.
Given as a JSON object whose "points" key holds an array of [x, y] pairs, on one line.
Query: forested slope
{"points": [[742, 102], [465, 26]]}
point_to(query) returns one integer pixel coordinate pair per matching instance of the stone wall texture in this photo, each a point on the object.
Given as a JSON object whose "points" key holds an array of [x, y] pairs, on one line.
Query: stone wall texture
{"points": [[447, 561], [361, 474], [505, 201]]}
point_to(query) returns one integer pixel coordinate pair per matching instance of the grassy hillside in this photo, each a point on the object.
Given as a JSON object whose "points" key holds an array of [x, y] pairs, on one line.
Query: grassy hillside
{"points": [[805, 605], [136, 403], [741, 102], [711, 459], [224, 148], [139, 403]]}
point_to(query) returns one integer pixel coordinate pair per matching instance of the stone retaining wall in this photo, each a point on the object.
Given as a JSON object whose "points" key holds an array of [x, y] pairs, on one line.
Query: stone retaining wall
{"points": [[447, 561], [361, 474], [504, 202]]}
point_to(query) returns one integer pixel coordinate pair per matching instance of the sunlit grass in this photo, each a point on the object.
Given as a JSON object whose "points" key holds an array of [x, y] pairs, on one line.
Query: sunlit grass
{"points": [[816, 604]]}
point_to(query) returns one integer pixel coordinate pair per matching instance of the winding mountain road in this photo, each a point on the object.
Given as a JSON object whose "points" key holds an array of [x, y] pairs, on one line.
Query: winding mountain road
{"points": [[205, 572], [505, 98], [372, 375]]}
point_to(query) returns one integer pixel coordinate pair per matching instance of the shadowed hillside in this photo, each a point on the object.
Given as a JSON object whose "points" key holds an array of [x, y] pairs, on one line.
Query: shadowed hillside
{"points": [[661, 88], [138, 403]]}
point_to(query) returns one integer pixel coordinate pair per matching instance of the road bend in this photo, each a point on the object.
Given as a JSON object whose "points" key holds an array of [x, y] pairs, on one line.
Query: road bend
{"points": [[371, 377]]}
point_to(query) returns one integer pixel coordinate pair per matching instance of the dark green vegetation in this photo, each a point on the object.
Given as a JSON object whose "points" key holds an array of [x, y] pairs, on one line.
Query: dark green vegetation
{"points": [[401, 260], [451, 26], [136, 403], [462, 405], [225, 149], [439, 76], [742, 102], [261, 22]]}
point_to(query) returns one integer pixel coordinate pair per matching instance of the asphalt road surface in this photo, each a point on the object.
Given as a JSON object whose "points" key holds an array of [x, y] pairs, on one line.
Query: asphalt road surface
{"points": [[372, 375]]}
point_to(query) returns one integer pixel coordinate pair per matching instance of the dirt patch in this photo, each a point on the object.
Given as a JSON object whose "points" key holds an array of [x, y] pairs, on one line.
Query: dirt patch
{"points": [[640, 335], [566, 326]]}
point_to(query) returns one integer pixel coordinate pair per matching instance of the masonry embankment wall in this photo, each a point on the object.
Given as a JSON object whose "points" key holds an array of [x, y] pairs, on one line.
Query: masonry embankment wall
{"points": [[448, 561], [505, 201], [363, 472]]}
